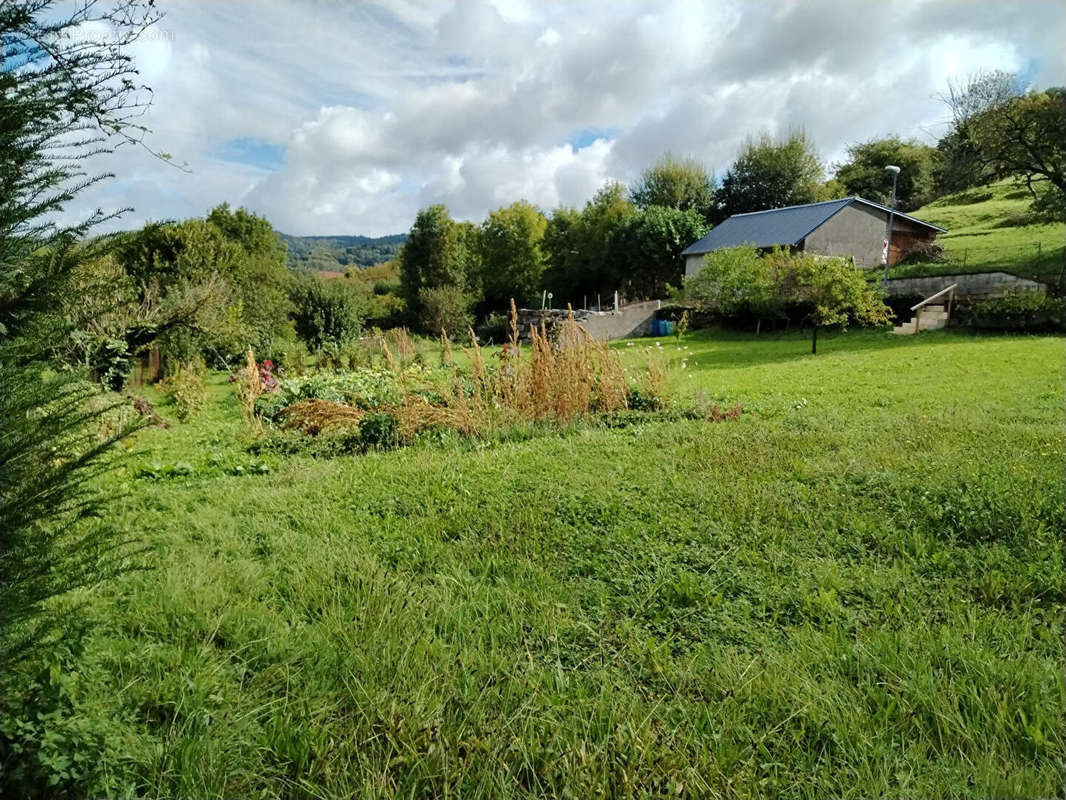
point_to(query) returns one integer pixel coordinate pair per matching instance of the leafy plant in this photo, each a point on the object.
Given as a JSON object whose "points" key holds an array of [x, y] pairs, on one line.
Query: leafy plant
{"points": [[328, 315], [444, 308], [682, 326], [186, 386], [1018, 310]]}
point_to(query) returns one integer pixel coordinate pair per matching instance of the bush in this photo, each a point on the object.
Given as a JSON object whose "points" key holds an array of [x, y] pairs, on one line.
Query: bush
{"points": [[379, 431], [923, 252], [1018, 310], [495, 328], [327, 314], [187, 388], [292, 361], [444, 308], [740, 282]]}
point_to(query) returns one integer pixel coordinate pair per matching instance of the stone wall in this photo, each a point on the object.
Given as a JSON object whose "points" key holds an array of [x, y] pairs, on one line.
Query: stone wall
{"points": [[628, 321], [976, 285]]}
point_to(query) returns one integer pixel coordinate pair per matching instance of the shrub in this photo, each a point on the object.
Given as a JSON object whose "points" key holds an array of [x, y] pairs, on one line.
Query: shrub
{"points": [[923, 252], [493, 328], [327, 314], [819, 291], [293, 360], [1018, 310], [444, 308], [379, 430], [186, 386]]}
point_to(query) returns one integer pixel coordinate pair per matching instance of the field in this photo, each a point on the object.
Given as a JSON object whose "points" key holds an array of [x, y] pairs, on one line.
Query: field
{"points": [[854, 590], [990, 229]]}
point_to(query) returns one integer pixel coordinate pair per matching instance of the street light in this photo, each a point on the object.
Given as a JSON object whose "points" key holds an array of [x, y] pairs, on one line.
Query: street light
{"points": [[891, 213]]}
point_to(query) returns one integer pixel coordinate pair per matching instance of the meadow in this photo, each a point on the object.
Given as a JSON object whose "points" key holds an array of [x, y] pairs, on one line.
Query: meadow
{"points": [[853, 590], [991, 228]]}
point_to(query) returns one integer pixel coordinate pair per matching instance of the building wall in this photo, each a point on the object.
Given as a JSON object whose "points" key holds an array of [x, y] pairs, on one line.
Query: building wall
{"points": [[853, 231], [694, 264], [859, 231]]}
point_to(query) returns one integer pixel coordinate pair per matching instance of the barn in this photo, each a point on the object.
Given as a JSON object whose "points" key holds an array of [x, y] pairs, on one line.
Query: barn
{"points": [[850, 226]]}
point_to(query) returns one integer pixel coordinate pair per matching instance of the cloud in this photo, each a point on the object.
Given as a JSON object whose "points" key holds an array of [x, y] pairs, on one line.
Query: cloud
{"points": [[347, 119]]}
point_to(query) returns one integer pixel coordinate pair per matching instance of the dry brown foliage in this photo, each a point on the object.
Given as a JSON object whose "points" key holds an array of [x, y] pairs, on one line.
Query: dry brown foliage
{"points": [[399, 342], [315, 416], [249, 388], [573, 375]]}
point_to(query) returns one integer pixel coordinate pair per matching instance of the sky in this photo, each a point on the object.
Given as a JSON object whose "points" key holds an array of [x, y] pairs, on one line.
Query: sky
{"points": [[346, 118]]}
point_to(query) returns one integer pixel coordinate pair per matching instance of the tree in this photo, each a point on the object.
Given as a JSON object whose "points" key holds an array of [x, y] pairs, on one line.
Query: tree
{"points": [[646, 249], [1025, 137], [444, 309], [260, 278], [562, 271], [212, 287], [328, 314], [115, 313], [959, 164], [438, 252], [833, 290], [768, 174], [864, 174], [512, 260], [825, 291], [675, 183], [581, 249], [64, 97]]}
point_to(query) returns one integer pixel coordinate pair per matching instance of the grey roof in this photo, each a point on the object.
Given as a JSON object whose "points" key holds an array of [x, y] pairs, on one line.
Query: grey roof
{"points": [[781, 226]]}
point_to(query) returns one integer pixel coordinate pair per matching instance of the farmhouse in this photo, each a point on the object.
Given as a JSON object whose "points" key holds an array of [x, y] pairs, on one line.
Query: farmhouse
{"points": [[850, 226]]}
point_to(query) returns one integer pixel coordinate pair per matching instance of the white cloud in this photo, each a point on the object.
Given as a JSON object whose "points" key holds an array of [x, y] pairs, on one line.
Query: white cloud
{"points": [[350, 118]]}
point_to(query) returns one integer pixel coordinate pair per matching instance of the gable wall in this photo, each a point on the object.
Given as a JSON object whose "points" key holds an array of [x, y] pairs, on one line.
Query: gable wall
{"points": [[859, 231], [855, 231]]}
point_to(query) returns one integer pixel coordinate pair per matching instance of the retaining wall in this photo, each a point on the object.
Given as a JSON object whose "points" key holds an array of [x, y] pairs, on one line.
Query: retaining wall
{"points": [[628, 321], [977, 285]]}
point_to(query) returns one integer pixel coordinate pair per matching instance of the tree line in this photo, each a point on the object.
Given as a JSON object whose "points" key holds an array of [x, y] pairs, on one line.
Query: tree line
{"points": [[629, 239]]}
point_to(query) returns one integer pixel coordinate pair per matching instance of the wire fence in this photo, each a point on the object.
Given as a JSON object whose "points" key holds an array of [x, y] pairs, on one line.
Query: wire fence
{"points": [[1035, 260]]}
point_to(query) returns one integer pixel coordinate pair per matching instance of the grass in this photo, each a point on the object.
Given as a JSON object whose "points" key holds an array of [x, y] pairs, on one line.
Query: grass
{"points": [[854, 590], [990, 229]]}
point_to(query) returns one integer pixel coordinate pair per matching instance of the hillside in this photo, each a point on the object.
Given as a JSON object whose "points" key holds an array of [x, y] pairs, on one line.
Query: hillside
{"points": [[990, 228], [334, 253]]}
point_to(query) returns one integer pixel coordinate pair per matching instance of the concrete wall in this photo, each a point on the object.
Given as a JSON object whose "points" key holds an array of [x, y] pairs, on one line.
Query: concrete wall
{"points": [[975, 285], [629, 321], [694, 264], [859, 231]]}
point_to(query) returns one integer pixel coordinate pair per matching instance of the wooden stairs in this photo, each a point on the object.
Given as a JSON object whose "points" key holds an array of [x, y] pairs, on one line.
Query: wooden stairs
{"points": [[928, 317]]}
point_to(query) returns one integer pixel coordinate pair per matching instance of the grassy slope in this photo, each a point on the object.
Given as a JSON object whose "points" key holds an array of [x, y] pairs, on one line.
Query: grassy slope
{"points": [[984, 235], [853, 591]]}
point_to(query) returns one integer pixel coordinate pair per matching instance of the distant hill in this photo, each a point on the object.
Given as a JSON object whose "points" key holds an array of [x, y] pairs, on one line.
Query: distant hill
{"points": [[335, 253], [991, 228]]}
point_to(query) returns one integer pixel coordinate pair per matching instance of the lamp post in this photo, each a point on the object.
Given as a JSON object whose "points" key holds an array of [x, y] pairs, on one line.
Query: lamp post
{"points": [[891, 213]]}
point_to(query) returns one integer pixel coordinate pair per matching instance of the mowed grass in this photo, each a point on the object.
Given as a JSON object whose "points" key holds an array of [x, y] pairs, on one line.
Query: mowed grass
{"points": [[855, 590], [990, 228]]}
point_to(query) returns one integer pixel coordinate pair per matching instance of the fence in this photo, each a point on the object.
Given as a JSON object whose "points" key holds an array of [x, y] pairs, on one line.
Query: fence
{"points": [[1037, 261]]}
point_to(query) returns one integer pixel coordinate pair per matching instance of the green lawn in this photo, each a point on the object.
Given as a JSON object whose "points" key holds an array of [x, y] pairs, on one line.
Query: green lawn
{"points": [[989, 229], [855, 590]]}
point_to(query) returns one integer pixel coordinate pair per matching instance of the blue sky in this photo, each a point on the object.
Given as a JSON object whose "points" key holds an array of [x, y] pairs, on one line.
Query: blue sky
{"points": [[344, 118]]}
